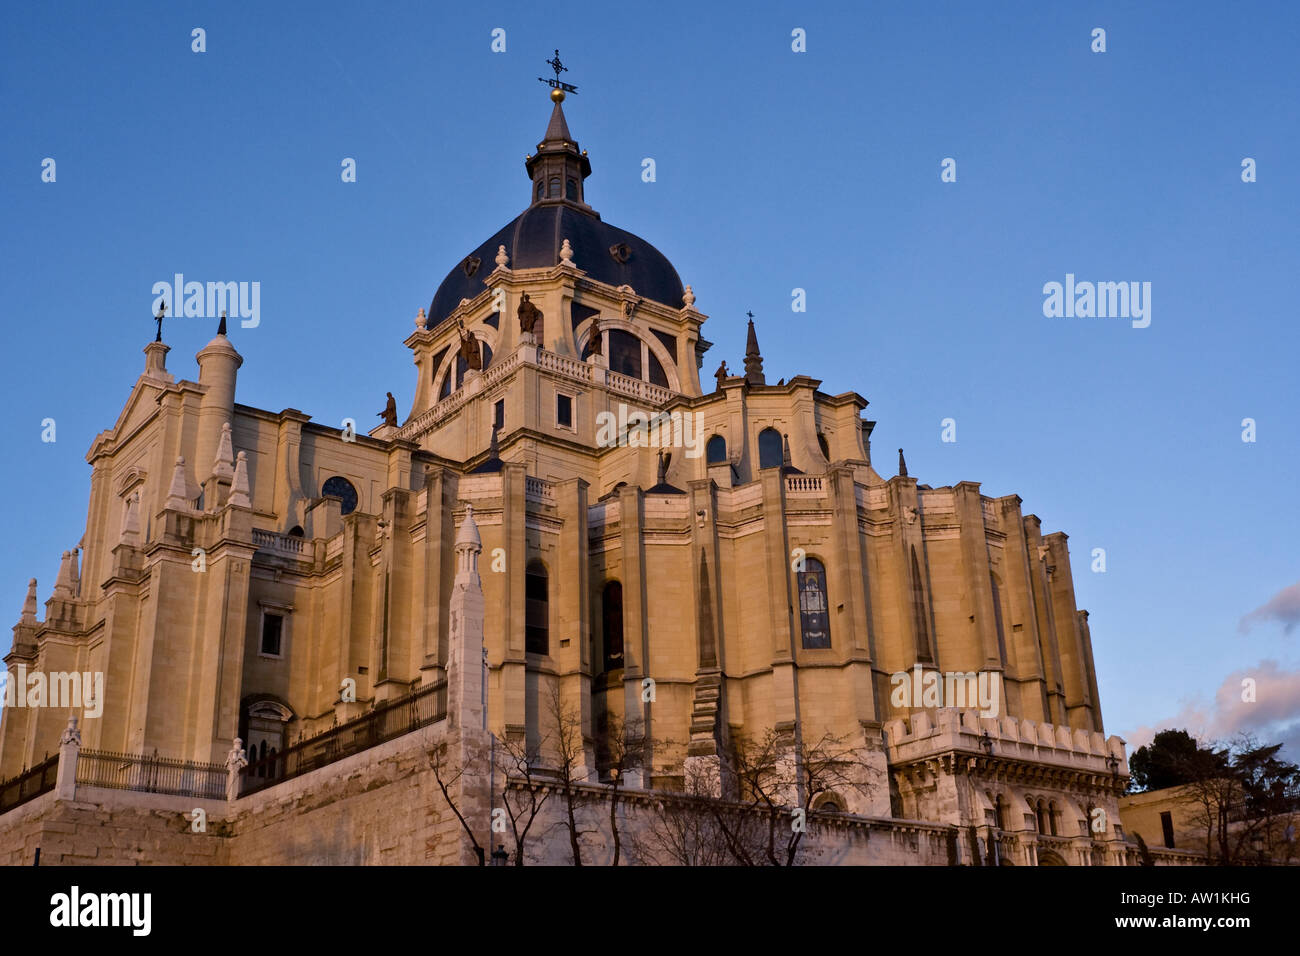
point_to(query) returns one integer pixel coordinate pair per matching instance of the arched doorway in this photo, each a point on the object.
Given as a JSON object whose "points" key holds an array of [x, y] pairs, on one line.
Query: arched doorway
{"points": [[1050, 858]]}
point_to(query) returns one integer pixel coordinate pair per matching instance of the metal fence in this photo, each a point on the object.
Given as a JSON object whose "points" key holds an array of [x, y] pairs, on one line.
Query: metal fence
{"points": [[29, 784], [151, 774], [425, 706]]}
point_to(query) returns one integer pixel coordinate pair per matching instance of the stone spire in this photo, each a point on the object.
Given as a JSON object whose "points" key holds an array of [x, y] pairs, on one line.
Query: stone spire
{"points": [[753, 358], [74, 571], [468, 544], [224, 465], [63, 583], [29, 605], [155, 363], [178, 497], [902, 465], [465, 630], [131, 521], [558, 168], [239, 487], [557, 130]]}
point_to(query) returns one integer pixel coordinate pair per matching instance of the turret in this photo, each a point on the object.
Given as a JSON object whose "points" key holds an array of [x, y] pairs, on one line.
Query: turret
{"points": [[218, 365]]}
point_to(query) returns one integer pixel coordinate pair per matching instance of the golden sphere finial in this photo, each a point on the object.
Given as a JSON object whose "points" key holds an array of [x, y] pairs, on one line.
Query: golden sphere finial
{"points": [[557, 96]]}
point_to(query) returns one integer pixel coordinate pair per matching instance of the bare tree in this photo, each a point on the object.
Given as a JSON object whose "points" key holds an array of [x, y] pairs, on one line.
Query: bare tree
{"points": [[570, 765], [682, 829], [780, 778], [619, 750], [523, 792], [446, 776], [623, 746], [1247, 802], [772, 783]]}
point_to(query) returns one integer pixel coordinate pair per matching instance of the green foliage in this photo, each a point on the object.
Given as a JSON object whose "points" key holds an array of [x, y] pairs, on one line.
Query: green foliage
{"points": [[1173, 757]]}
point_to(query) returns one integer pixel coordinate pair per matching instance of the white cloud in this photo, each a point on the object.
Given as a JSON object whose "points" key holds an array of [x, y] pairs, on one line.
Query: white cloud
{"points": [[1283, 607], [1273, 717]]}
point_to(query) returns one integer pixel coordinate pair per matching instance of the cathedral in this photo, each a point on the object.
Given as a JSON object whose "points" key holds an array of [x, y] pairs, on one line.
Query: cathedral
{"points": [[575, 517]]}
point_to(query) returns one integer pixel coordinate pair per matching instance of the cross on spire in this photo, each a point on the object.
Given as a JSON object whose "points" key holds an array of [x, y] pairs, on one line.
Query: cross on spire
{"points": [[162, 307], [555, 84]]}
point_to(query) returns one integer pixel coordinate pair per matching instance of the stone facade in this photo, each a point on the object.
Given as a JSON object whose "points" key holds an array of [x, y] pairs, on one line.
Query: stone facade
{"points": [[738, 567]]}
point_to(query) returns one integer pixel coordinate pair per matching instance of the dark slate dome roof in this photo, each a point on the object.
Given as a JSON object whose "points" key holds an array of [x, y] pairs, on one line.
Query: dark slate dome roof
{"points": [[533, 240]]}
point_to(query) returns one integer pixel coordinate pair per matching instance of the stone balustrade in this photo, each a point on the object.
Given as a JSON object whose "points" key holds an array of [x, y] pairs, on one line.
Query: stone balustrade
{"points": [[948, 728], [273, 541]]}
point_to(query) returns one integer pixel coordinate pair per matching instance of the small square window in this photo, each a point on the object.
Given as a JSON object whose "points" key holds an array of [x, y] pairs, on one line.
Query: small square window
{"points": [[564, 411], [272, 632]]}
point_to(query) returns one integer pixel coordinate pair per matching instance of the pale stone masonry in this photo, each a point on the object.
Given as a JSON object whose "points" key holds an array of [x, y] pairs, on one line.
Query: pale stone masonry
{"points": [[252, 574]]}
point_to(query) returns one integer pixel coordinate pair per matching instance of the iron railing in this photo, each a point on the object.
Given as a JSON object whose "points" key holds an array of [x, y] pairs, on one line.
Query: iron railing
{"points": [[29, 784], [426, 706], [149, 773]]}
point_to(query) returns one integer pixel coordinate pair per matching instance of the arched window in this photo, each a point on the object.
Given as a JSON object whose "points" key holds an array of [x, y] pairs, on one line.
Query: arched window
{"points": [[624, 353], [657, 374], [265, 732], [1052, 814], [716, 450], [455, 376], [814, 612], [824, 446], [1000, 812], [571, 189], [1040, 815], [769, 448], [611, 607], [555, 187], [296, 531], [537, 609], [340, 487], [919, 617]]}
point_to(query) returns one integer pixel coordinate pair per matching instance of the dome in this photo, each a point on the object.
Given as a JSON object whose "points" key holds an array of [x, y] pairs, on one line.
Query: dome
{"points": [[533, 239]]}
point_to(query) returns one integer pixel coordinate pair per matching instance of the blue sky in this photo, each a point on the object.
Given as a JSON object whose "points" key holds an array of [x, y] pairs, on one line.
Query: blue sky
{"points": [[775, 170]]}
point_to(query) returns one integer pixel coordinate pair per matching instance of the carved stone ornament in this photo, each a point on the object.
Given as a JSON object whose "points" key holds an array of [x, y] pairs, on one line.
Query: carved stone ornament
{"points": [[470, 266]]}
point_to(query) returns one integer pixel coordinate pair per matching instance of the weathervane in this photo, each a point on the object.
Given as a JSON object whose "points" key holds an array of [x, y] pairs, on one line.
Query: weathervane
{"points": [[162, 308], [558, 89]]}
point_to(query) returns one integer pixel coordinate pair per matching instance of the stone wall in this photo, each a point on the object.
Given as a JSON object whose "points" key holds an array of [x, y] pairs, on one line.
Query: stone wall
{"points": [[382, 806]]}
